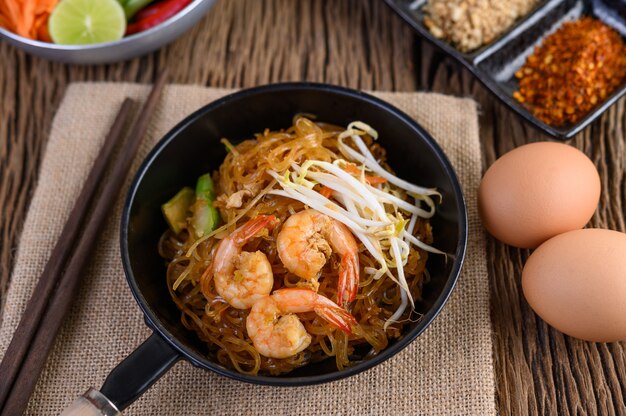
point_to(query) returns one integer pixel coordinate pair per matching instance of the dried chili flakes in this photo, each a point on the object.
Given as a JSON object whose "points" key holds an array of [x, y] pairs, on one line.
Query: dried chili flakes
{"points": [[572, 71]]}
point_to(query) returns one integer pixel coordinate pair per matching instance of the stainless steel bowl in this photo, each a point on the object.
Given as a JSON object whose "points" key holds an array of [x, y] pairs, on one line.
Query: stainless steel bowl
{"points": [[126, 48]]}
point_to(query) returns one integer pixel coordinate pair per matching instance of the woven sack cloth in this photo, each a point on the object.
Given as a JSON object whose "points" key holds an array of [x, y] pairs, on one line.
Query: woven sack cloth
{"points": [[448, 370]]}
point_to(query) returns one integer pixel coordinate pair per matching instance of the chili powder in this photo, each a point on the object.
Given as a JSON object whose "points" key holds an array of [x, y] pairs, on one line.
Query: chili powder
{"points": [[573, 70]]}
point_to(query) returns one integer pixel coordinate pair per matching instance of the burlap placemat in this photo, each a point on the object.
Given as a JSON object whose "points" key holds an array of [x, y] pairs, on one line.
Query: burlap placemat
{"points": [[448, 370]]}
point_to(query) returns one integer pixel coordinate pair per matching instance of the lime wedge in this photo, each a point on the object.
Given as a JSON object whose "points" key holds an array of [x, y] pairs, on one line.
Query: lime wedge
{"points": [[81, 22]]}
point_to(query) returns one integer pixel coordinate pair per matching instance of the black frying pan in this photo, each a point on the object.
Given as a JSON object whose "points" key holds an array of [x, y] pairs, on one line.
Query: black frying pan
{"points": [[193, 148]]}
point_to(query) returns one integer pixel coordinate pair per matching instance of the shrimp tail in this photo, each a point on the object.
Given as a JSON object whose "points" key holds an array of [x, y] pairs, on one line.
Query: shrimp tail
{"points": [[348, 284], [252, 227], [336, 315]]}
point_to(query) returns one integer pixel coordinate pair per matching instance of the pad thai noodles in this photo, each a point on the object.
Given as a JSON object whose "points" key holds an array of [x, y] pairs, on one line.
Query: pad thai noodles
{"points": [[304, 245]]}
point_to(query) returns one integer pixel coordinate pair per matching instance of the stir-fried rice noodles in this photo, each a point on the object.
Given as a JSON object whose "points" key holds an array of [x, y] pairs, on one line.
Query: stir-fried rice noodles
{"points": [[266, 176]]}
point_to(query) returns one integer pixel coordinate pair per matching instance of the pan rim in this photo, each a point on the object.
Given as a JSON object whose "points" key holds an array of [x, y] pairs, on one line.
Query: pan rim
{"points": [[203, 362]]}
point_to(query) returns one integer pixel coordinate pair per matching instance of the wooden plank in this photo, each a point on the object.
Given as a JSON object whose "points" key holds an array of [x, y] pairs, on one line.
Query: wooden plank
{"points": [[538, 370], [359, 44]]}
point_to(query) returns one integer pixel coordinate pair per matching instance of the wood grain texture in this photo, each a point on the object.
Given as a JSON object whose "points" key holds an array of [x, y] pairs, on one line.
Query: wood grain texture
{"points": [[359, 44], [538, 369]]}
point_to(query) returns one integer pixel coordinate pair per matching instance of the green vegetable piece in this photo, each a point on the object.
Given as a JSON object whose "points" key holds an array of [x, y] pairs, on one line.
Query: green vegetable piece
{"points": [[131, 7], [176, 209], [205, 216], [204, 188]]}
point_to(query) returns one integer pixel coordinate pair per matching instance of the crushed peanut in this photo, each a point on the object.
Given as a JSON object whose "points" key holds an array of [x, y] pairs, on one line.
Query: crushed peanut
{"points": [[469, 24]]}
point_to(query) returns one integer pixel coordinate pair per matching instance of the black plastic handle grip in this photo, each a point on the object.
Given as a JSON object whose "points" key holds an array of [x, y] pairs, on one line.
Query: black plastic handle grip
{"points": [[144, 366]]}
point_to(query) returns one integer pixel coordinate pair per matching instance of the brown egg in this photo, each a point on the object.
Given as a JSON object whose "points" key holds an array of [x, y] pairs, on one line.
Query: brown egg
{"points": [[576, 282], [537, 191]]}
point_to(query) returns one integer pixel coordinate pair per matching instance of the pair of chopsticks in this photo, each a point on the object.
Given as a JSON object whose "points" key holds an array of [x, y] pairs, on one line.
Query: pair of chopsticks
{"points": [[57, 286]]}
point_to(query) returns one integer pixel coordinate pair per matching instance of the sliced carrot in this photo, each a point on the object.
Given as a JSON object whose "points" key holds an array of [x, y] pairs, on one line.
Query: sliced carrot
{"points": [[5, 19], [326, 192], [11, 9], [25, 24], [41, 28], [352, 169], [27, 18], [6, 23], [375, 180], [45, 6], [12, 12]]}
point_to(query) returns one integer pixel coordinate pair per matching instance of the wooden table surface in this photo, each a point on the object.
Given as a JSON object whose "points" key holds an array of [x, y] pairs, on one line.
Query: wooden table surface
{"points": [[359, 44]]}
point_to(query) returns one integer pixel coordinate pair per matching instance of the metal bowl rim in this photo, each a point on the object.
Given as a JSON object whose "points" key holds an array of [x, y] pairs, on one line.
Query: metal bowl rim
{"points": [[107, 45]]}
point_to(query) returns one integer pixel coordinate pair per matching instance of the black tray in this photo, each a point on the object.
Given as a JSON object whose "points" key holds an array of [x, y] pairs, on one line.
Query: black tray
{"points": [[495, 64]]}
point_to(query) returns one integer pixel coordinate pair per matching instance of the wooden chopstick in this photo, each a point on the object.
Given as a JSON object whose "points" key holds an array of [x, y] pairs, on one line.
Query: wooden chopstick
{"points": [[38, 303], [61, 301]]}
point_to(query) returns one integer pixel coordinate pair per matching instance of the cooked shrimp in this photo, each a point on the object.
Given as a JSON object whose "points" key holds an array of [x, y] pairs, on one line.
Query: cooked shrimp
{"points": [[307, 240], [242, 278], [277, 333]]}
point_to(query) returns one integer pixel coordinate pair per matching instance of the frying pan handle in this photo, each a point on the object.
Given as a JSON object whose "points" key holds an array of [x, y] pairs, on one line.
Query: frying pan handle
{"points": [[129, 380], [133, 376]]}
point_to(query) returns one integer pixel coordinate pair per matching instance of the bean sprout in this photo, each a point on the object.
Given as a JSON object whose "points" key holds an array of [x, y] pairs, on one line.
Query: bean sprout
{"points": [[382, 221]]}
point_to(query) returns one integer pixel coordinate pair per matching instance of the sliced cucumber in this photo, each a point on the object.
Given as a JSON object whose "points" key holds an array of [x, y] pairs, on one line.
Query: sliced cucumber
{"points": [[205, 217]]}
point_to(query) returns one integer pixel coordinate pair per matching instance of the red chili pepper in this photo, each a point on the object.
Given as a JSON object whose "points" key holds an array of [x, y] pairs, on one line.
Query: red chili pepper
{"points": [[155, 14]]}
